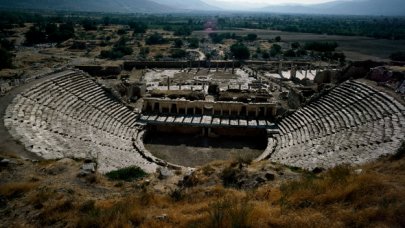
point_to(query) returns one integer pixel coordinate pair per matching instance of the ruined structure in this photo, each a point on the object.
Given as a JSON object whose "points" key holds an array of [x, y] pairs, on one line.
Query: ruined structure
{"points": [[68, 114]]}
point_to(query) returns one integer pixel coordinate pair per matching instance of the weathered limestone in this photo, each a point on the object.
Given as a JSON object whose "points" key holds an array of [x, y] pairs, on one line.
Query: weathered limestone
{"points": [[69, 115], [354, 123], [222, 108]]}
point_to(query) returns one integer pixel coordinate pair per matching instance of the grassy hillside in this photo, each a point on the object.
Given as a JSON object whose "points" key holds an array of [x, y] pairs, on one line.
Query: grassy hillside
{"points": [[49, 193]]}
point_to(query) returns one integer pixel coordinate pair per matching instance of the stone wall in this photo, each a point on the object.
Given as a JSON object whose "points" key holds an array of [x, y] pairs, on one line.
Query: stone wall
{"points": [[96, 70], [221, 108], [129, 65]]}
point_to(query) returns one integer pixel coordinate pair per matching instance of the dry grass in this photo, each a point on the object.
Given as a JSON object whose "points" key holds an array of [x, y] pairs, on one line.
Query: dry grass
{"points": [[16, 189], [339, 197]]}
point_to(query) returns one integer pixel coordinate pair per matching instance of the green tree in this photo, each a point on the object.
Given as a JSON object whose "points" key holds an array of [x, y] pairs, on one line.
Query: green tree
{"points": [[295, 45], [6, 44], [321, 46], [34, 36], [155, 38], [177, 53], [138, 27], [89, 25], [240, 51], [275, 50], [289, 53], [398, 56], [194, 43], [6, 59], [178, 43], [251, 37]]}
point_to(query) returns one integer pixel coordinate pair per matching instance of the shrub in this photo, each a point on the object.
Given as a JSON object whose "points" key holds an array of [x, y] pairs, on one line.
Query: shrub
{"points": [[275, 50], [16, 189], [229, 176], [138, 27], [6, 59], [240, 51], [400, 152], [177, 53], [176, 195], [398, 56], [251, 37], [126, 174], [155, 38], [229, 212], [321, 46]]}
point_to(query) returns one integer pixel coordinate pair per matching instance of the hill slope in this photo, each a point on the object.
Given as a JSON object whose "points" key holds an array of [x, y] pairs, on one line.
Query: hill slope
{"points": [[123, 6], [187, 5], [366, 7]]}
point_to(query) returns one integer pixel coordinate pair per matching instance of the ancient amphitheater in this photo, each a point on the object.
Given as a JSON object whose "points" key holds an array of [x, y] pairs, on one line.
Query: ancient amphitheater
{"points": [[68, 114]]}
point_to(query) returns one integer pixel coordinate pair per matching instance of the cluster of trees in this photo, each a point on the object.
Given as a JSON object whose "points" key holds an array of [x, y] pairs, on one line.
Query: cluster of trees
{"points": [[89, 25], [240, 51], [119, 50], [155, 38], [182, 31], [398, 56], [138, 27], [177, 53], [321, 46], [6, 57], [377, 27], [49, 33], [218, 38]]}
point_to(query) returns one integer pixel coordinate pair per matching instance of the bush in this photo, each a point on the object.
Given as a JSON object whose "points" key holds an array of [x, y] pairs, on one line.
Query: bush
{"points": [[35, 36], [6, 44], [126, 174], [138, 27], [6, 59], [155, 38], [89, 25], [240, 51], [17, 189], [275, 50], [289, 53], [398, 56], [229, 212], [321, 46], [194, 43], [178, 43], [400, 152], [116, 52], [251, 37], [177, 53]]}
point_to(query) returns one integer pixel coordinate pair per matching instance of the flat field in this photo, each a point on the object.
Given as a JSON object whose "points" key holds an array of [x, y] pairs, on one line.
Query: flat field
{"points": [[354, 47]]}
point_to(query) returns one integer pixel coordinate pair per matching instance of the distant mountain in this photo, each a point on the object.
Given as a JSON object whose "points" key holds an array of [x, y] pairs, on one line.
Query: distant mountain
{"points": [[122, 6], [235, 6], [197, 5], [361, 7]]}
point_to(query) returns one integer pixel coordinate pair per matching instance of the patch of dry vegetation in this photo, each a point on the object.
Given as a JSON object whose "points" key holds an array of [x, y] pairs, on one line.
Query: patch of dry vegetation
{"points": [[369, 195]]}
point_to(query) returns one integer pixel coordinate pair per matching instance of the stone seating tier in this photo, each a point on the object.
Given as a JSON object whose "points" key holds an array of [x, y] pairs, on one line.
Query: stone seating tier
{"points": [[354, 123], [70, 115]]}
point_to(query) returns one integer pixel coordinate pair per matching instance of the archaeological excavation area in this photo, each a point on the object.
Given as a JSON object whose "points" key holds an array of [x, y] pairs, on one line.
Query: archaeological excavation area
{"points": [[185, 115]]}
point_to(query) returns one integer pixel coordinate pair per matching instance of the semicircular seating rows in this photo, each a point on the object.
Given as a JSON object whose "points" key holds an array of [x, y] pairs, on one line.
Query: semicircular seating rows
{"points": [[70, 115], [354, 123]]}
